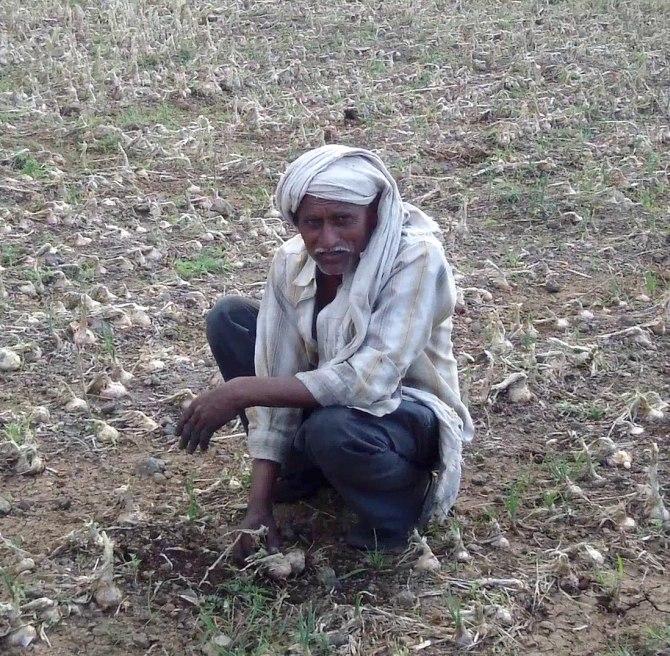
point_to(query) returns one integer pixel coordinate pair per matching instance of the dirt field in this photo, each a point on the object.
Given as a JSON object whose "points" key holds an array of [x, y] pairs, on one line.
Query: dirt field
{"points": [[140, 143]]}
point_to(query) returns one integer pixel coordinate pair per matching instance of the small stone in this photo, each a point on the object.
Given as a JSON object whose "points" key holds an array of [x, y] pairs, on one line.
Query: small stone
{"points": [[159, 478], [9, 361], [216, 644], [5, 506], [327, 577], [337, 638], [150, 466], [25, 565], [21, 637], [24, 504], [63, 503], [141, 640]]}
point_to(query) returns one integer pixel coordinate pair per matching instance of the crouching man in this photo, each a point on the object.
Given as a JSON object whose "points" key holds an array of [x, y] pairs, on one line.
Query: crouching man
{"points": [[345, 369]]}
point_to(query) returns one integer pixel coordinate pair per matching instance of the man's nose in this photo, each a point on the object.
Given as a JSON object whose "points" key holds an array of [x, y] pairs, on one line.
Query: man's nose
{"points": [[328, 237]]}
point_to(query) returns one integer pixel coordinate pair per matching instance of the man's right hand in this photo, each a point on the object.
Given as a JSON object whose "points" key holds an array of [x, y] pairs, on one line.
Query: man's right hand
{"points": [[246, 544], [259, 511]]}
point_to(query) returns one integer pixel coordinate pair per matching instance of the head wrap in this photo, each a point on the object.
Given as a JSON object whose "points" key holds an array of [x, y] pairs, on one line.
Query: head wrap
{"points": [[355, 175]]}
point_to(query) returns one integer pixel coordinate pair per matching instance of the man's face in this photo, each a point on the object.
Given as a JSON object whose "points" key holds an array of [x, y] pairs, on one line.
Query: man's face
{"points": [[335, 233]]}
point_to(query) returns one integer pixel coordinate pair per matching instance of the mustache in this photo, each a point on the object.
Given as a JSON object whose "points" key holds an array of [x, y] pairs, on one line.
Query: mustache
{"points": [[332, 251]]}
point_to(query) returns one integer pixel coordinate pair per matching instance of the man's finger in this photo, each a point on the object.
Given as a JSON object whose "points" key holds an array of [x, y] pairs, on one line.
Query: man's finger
{"points": [[193, 441], [185, 435], [185, 416], [205, 437]]}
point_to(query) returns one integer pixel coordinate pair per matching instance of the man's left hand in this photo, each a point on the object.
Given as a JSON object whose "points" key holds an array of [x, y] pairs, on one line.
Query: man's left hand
{"points": [[205, 415]]}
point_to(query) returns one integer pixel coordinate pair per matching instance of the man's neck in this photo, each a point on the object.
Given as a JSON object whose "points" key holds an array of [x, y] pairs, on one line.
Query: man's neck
{"points": [[327, 286]]}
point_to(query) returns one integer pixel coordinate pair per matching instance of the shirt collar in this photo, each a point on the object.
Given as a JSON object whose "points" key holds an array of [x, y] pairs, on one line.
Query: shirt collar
{"points": [[306, 279], [307, 275]]}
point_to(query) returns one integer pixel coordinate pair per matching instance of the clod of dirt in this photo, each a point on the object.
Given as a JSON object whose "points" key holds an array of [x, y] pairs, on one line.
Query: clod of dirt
{"points": [[221, 206], [5, 506], [337, 638], [9, 360], [40, 415], [327, 577], [21, 637], [277, 567], [280, 566], [463, 637], [405, 599], [296, 559], [149, 466], [552, 285]]}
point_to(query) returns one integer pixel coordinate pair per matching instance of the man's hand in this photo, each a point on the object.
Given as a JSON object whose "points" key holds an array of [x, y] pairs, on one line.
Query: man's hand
{"points": [[205, 415], [246, 544]]}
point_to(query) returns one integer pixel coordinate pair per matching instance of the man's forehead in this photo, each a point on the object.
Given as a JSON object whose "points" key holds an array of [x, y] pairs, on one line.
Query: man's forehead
{"points": [[334, 205]]}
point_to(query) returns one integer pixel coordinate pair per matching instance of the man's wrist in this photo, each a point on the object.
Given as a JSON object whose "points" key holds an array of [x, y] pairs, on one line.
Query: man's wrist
{"points": [[238, 389]]}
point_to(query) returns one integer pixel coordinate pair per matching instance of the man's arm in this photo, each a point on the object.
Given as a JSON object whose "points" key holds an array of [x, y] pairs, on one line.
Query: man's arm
{"points": [[212, 409]]}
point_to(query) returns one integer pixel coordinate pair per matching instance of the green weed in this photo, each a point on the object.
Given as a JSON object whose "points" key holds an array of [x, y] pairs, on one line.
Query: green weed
{"points": [[28, 165], [513, 497], [165, 114], [376, 559], [307, 635], [9, 255], [210, 261], [561, 468], [108, 343], [652, 283], [193, 509], [16, 432], [108, 143]]}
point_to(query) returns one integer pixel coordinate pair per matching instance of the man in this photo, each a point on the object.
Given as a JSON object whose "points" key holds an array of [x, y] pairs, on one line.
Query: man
{"points": [[346, 368]]}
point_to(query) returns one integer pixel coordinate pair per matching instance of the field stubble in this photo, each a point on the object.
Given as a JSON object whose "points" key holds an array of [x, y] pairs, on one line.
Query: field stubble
{"points": [[139, 147]]}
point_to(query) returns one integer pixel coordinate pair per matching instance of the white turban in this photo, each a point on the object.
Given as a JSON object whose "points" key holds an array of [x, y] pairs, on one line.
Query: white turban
{"points": [[358, 176]]}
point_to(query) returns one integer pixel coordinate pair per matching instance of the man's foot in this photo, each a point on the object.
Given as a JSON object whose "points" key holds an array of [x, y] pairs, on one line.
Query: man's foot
{"points": [[428, 503], [298, 486], [363, 537]]}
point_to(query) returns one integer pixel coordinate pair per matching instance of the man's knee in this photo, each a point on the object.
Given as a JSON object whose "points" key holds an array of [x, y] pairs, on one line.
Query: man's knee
{"points": [[333, 434], [222, 315]]}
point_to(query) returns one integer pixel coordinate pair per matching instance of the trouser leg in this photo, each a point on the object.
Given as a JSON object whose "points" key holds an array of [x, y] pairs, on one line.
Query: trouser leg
{"points": [[380, 465], [231, 333]]}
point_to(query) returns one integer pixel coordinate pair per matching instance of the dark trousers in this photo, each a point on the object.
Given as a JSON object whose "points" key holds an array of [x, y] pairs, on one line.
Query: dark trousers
{"points": [[379, 465]]}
